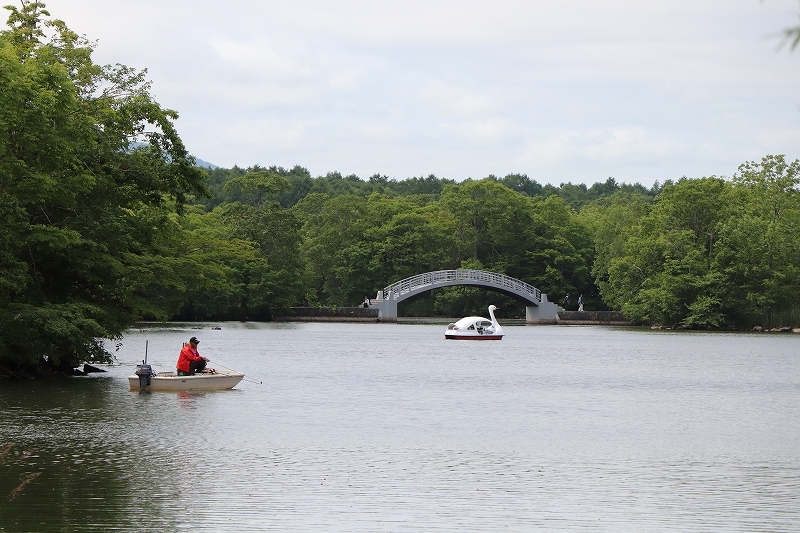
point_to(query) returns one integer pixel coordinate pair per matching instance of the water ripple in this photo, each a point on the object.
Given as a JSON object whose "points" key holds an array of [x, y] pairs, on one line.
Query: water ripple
{"points": [[558, 429]]}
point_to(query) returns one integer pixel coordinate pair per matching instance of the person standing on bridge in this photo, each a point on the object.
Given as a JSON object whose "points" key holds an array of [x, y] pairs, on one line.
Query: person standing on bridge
{"points": [[566, 301], [580, 302]]}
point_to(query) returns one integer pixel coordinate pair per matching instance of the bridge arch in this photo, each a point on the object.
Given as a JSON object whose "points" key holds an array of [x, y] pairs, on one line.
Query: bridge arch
{"points": [[538, 310]]}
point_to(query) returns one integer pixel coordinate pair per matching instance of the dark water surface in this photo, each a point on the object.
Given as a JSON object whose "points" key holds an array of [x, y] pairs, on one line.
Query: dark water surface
{"points": [[388, 427]]}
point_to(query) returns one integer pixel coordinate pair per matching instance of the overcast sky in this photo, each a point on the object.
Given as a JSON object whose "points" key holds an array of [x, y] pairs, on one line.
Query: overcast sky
{"points": [[563, 91]]}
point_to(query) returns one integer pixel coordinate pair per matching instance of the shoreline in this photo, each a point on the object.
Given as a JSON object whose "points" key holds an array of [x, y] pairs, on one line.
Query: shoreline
{"points": [[565, 318]]}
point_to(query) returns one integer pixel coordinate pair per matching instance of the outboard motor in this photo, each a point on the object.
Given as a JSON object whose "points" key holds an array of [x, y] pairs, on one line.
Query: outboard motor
{"points": [[144, 371]]}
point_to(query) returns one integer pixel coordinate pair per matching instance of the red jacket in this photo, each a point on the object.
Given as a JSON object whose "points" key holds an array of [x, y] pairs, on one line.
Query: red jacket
{"points": [[187, 354]]}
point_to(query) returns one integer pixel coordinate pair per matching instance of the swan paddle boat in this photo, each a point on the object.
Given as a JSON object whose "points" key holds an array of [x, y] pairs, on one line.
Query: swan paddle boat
{"points": [[146, 378], [475, 328]]}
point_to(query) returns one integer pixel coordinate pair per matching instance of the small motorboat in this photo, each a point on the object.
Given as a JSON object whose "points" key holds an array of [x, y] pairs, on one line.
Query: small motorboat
{"points": [[475, 328], [147, 379]]}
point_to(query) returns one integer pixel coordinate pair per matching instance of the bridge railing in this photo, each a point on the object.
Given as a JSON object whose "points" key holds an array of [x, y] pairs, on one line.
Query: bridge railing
{"points": [[439, 276]]}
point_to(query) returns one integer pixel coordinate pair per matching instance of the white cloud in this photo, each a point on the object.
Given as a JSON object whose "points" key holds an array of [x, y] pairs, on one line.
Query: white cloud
{"points": [[603, 146], [453, 101], [262, 59], [783, 138], [574, 90], [483, 132], [260, 134]]}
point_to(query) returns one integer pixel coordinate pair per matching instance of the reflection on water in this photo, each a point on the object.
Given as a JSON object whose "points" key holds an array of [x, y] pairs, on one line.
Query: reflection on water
{"points": [[369, 427]]}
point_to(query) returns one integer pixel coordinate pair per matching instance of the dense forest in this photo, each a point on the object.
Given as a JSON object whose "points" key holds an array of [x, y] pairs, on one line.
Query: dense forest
{"points": [[105, 220], [708, 252]]}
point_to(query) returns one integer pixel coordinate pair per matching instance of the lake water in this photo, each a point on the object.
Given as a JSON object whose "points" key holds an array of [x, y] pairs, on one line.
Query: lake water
{"points": [[389, 427]]}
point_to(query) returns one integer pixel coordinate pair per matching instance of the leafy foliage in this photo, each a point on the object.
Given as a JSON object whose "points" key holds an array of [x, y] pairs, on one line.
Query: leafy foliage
{"points": [[75, 176], [708, 252]]}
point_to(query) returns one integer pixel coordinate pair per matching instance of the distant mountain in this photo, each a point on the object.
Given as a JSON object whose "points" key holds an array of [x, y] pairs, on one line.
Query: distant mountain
{"points": [[200, 162], [205, 164]]}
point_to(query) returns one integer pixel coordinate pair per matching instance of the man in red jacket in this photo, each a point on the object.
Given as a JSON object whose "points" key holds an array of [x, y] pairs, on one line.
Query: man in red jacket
{"points": [[190, 360]]}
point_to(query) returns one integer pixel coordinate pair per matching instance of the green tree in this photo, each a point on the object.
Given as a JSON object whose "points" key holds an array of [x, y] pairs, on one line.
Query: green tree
{"points": [[664, 272], [477, 207], [612, 221], [539, 241], [278, 282], [758, 252], [86, 156], [355, 246], [558, 250], [332, 239]]}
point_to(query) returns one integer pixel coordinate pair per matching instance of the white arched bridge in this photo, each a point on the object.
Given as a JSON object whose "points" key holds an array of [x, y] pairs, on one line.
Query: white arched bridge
{"points": [[537, 309]]}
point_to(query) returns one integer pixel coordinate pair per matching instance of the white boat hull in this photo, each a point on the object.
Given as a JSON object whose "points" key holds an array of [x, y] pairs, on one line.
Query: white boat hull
{"points": [[168, 381], [474, 337]]}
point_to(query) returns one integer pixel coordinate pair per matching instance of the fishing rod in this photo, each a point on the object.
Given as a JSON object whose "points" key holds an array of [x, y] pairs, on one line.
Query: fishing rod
{"points": [[245, 378]]}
